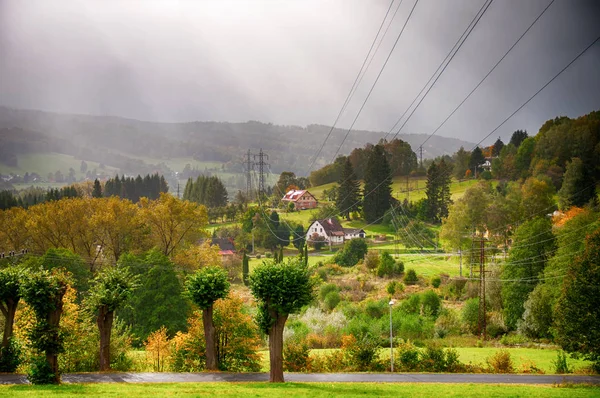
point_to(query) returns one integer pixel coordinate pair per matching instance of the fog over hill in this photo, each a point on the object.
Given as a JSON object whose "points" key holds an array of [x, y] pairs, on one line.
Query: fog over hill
{"points": [[115, 140]]}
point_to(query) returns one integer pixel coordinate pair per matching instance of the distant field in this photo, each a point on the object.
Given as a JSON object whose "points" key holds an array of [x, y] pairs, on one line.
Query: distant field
{"points": [[43, 163]]}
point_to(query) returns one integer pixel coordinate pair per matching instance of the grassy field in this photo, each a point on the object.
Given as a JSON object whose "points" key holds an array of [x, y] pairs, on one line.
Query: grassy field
{"points": [[43, 163], [297, 390]]}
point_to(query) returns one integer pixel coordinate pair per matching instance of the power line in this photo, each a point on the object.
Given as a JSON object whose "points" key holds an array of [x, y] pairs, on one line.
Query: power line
{"points": [[352, 89]]}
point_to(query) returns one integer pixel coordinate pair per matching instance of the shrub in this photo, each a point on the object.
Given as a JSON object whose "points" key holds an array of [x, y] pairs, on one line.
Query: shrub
{"points": [[387, 266], [399, 267], [296, 356], [501, 362], [415, 327], [268, 254], [40, 371], [10, 356], [326, 289], [362, 354], [495, 325], [433, 359], [447, 323], [411, 277], [436, 281], [331, 300], [391, 288], [513, 339], [354, 250], [408, 357], [372, 260], [560, 364], [333, 361], [158, 349], [530, 367], [431, 303], [376, 309], [322, 274], [456, 287], [412, 305], [470, 315], [258, 257]]}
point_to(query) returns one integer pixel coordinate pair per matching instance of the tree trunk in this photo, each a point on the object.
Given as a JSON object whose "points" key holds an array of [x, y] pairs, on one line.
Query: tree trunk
{"points": [[11, 309], [54, 321], [276, 349], [105, 321], [209, 336]]}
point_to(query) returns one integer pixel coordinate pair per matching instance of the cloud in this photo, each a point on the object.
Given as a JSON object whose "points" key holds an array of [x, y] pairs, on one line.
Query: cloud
{"points": [[293, 62]]}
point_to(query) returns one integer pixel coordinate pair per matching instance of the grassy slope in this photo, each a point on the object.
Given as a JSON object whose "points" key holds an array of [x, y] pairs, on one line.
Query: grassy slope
{"points": [[43, 163], [297, 390]]}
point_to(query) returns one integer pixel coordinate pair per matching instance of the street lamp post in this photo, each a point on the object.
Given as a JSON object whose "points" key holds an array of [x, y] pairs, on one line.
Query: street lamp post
{"points": [[391, 338]]}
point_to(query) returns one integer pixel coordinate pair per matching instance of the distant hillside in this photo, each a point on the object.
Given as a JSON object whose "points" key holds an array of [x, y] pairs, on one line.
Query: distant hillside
{"points": [[124, 143]]}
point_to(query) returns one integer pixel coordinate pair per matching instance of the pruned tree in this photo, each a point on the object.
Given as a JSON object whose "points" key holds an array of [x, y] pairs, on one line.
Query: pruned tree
{"points": [[281, 290], [44, 292], [110, 289], [10, 294], [205, 287]]}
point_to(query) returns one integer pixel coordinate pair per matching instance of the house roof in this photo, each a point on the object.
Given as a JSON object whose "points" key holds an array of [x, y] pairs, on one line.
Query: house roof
{"points": [[294, 195], [348, 231], [225, 244], [331, 227]]}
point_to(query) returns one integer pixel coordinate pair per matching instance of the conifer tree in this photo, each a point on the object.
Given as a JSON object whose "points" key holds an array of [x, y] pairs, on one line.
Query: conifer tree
{"points": [[348, 196], [378, 185]]}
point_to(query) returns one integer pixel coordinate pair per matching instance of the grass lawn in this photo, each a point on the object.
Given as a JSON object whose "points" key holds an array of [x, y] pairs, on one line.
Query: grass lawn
{"points": [[542, 358], [297, 390], [42, 163]]}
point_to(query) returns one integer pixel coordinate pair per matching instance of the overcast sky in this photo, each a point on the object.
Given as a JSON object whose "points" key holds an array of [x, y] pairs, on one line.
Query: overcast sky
{"points": [[293, 62]]}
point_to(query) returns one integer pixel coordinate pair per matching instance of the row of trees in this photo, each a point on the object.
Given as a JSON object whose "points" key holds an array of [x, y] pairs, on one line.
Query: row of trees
{"points": [[208, 191], [149, 186]]}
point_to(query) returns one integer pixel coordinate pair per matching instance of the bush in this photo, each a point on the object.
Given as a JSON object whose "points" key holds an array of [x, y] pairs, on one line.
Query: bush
{"points": [[495, 325], [10, 357], [412, 305], [408, 357], [470, 315], [456, 286], [376, 309], [501, 362], [560, 365], [436, 281], [415, 327], [258, 256], [391, 288], [331, 300], [372, 260], [296, 356], [268, 254], [399, 267], [361, 355], [326, 289], [411, 277], [40, 372], [354, 250], [447, 323], [431, 303], [387, 266]]}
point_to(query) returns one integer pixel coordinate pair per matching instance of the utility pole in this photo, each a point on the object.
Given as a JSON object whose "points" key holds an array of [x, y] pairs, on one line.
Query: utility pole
{"points": [[261, 171], [481, 318], [249, 167]]}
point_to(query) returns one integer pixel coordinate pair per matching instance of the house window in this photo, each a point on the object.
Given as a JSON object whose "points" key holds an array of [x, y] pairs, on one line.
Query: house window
{"points": [[321, 229]]}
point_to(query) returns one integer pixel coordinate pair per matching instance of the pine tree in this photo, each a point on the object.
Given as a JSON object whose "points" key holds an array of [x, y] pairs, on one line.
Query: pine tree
{"points": [[378, 186], [476, 160], [348, 195], [497, 147], [97, 192]]}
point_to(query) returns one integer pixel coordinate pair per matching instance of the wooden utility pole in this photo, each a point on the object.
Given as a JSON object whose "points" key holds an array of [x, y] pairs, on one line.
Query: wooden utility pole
{"points": [[482, 318]]}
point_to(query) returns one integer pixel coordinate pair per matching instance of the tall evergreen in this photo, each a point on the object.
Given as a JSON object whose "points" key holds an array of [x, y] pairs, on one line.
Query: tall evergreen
{"points": [[208, 191], [378, 185], [497, 147], [348, 195], [476, 160], [437, 191], [97, 192]]}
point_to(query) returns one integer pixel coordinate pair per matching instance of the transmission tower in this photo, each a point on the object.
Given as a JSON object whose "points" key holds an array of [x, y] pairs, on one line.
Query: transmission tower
{"points": [[261, 171], [249, 168]]}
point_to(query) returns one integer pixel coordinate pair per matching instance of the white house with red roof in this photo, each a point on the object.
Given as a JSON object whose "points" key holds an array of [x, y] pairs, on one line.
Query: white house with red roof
{"points": [[302, 199], [332, 231]]}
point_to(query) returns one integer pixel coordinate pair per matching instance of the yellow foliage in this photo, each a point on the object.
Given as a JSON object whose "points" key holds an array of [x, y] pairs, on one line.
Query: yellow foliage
{"points": [[561, 218], [198, 256], [14, 234], [158, 350]]}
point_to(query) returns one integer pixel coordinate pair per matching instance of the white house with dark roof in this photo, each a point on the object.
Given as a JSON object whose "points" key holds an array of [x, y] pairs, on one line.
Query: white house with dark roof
{"points": [[332, 231], [302, 199]]}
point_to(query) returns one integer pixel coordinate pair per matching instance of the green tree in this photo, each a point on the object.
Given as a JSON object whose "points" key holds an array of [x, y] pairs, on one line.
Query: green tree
{"points": [[533, 244], [158, 301], [43, 291], [205, 287], [518, 137], [578, 309], [461, 163], [348, 194], [524, 157], [97, 191], [10, 294], [286, 179], [378, 186], [437, 190], [111, 288], [476, 160], [574, 191], [537, 197], [353, 251], [497, 147], [281, 290]]}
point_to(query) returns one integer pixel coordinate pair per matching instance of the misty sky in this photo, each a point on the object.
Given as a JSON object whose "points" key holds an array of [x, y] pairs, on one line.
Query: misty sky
{"points": [[293, 62]]}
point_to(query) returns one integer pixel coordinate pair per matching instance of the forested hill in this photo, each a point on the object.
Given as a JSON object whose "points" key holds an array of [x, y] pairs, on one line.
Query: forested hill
{"points": [[111, 140]]}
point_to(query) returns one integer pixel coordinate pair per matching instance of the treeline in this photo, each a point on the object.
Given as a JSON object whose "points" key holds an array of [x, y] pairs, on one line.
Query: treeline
{"points": [[208, 191], [399, 154], [150, 186], [32, 197]]}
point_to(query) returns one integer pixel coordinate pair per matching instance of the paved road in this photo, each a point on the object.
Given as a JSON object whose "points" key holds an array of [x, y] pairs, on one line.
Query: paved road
{"points": [[313, 377]]}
